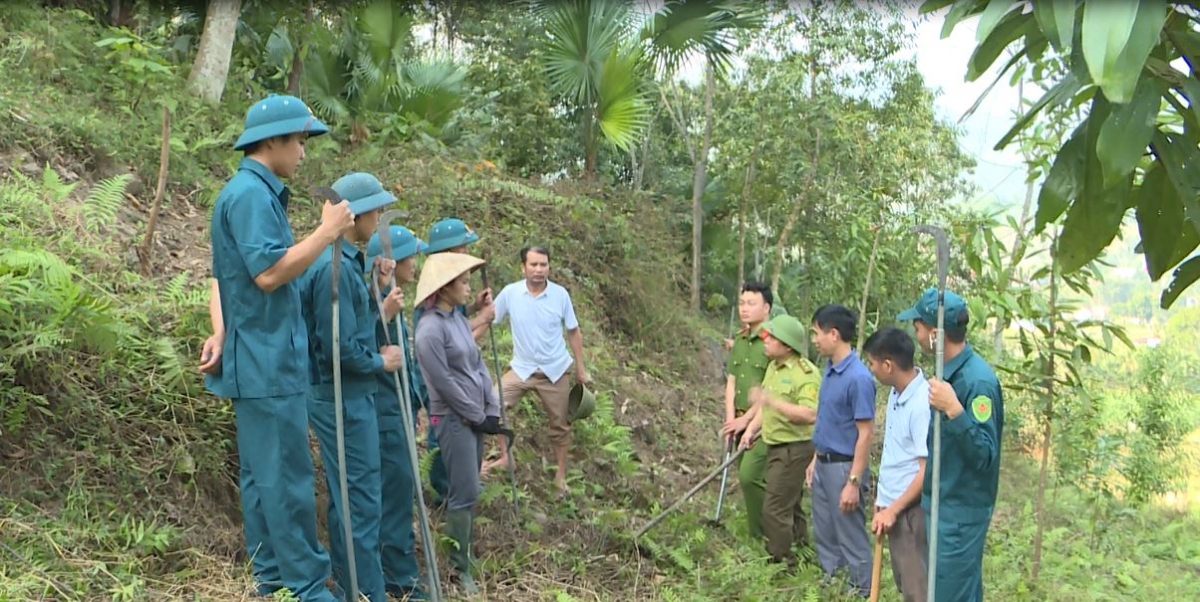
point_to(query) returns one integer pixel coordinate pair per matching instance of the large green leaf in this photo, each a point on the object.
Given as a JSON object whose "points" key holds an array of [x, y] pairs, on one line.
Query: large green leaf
{"points": [[1183, 277], [1181, 160], [996, 9], [1065, 180], [1062, 92], [1126, 133], [1092, 222], [1011, 27], [1057, 20], [960, 9], [1117, 37], [1095, 217], [1161, 222]]}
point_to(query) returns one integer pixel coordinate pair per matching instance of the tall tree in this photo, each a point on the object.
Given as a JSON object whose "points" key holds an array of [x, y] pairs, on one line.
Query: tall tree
{"points": [[709, 28], [211, 67]]}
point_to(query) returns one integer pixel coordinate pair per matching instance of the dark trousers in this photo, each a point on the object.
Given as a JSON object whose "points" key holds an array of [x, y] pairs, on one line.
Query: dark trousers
{"points": [[908, 545], [782, 519]]}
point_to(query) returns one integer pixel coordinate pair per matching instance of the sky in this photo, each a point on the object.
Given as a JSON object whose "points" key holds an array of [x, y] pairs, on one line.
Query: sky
{"points": [[943, 63]]}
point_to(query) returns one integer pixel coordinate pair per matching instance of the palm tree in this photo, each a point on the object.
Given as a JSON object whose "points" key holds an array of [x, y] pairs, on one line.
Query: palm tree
{"points": [[603, 61], [594, 61], [368, 66], [682, 28]]}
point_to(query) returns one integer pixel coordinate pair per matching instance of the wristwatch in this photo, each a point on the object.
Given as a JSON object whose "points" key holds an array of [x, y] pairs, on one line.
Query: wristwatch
{"points": [[854, 480]]}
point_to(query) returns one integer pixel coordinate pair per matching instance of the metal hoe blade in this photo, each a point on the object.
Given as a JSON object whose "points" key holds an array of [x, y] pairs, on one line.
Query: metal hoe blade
{"points": [[943, 259]]}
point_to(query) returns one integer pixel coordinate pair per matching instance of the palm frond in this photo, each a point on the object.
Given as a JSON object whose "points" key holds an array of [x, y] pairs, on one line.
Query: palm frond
{"points": [[623, 108], [685, 27], [328, 85], [581, 35], [434, 89], [386, 31]]}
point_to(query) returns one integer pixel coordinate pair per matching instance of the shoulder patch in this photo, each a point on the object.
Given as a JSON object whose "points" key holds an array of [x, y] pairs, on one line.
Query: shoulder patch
{"points": [[981, 408]]}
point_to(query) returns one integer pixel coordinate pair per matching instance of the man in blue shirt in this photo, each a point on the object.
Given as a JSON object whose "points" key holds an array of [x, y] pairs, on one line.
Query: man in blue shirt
{"points": [[970, 404], [450, 235], [401, 573], [836, 475], [898, 511], [362, 360], [257, 356]]}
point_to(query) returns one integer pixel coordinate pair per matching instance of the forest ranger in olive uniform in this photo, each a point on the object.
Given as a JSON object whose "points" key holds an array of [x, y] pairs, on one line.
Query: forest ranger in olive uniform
{"points": [[787, 402]]}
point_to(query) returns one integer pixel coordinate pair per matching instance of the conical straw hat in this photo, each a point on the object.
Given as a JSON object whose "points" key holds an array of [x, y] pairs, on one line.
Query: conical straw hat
{"points": [[441, 269]]}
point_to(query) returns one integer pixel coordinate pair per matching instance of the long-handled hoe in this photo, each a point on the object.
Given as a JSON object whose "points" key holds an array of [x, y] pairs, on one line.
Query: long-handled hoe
{"points": [[401, 378], [334, 268], [943, 260]]}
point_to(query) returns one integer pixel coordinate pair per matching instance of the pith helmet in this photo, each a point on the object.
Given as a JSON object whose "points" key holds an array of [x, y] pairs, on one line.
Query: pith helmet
{"points": [[278, 115]]}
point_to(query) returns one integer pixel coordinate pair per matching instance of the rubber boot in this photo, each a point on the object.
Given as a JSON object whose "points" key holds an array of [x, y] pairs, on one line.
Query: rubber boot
{"points": [[458, 526]]}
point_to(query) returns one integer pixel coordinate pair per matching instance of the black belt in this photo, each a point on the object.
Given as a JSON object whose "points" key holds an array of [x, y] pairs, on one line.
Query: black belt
{"points": [[832, 458]]}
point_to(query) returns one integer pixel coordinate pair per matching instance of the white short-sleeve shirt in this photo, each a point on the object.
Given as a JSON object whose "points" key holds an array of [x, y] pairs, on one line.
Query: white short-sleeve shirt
{"points": [[537, 328]]}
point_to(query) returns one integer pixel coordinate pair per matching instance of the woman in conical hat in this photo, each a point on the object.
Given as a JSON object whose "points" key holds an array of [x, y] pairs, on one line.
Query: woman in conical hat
{"points": [[463, 407]]}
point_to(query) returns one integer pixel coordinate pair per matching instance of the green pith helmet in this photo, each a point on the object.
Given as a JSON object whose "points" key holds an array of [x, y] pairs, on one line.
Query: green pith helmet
{"points": [[581, 404], [788, 330], [364, 191]]}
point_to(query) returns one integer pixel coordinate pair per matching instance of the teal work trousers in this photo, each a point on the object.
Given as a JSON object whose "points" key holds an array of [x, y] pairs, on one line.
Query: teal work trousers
{"points": [[279, 519]]}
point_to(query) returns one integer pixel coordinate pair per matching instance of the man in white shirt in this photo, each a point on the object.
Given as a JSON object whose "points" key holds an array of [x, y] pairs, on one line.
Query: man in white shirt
{"points": [[538, 311], [898, 510]]}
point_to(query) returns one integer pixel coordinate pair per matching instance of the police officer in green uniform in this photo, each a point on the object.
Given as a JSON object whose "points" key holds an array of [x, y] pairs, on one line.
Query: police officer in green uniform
{"points": [[787, 410], [970, 405], [401, 573], [745, 367], [450, 235], [257, 358], [362, 360]]}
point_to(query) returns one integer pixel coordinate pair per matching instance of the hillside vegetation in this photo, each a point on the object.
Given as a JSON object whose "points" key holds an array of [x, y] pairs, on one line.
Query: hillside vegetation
{"points": [[118, 472]]}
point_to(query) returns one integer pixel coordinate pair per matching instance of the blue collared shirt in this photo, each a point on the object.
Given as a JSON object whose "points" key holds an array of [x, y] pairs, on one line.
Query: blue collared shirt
{"points": [[903, 439], [847, 395], [537, 324], [360, 357], [266, 342]]}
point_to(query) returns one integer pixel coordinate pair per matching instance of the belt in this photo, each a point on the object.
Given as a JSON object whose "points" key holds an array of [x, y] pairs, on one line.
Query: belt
{"points": [[832, 458]]}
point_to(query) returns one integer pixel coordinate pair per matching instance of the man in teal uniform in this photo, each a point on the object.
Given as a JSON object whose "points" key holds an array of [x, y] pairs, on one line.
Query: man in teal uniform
{"points": [[970, 405], [257, 357], [450, 235], [361, 361], [401, 573]]}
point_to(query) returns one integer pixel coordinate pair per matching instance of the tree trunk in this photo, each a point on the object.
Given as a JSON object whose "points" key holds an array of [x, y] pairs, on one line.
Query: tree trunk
{"points": [[1048, 414], [296, 72], [589, 144], [794, 216], [701, 167], [164, 158], [211, 67], [120, 14], [743, 215], [862, 304]]}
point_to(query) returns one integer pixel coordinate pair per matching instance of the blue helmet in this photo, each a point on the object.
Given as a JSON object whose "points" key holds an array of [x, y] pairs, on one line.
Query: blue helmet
{"points": [[278, 115], [404, 244], [448, 233]]}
